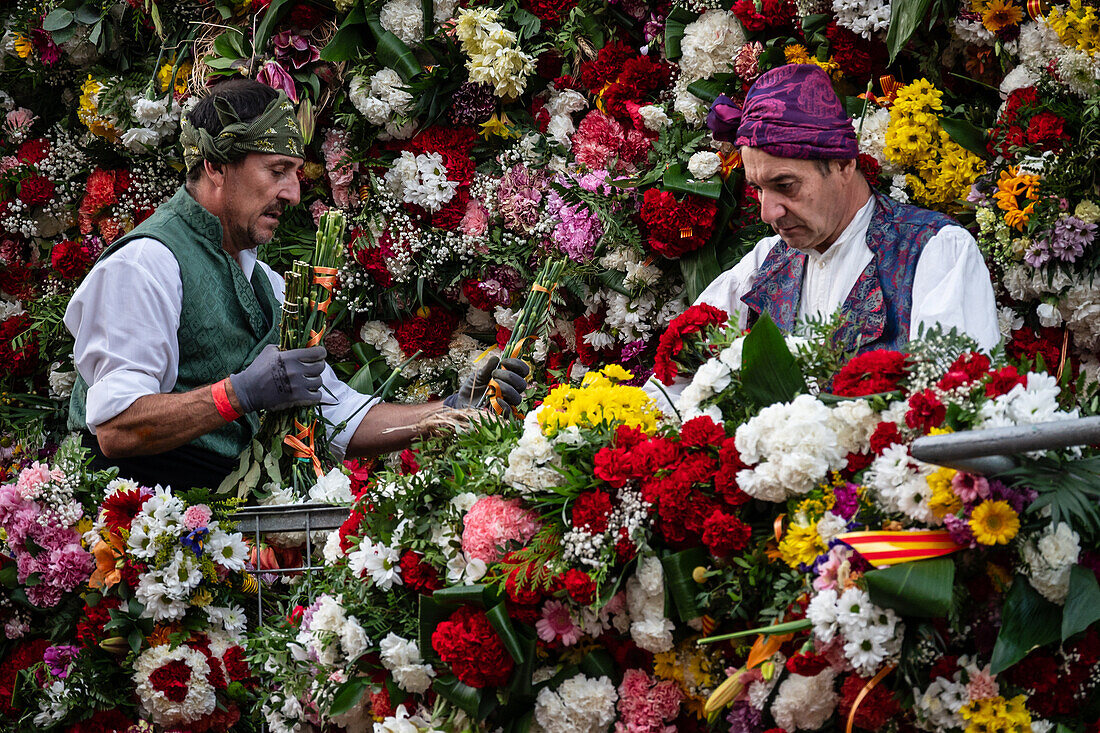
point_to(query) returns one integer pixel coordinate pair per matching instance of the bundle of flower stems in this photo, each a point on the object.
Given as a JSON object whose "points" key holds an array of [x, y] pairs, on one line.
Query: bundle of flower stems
{"points": [[530, 325], [291, 448]]}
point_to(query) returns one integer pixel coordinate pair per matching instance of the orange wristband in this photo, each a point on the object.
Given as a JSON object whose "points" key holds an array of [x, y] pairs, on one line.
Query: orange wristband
{"points": [[222, 403]]}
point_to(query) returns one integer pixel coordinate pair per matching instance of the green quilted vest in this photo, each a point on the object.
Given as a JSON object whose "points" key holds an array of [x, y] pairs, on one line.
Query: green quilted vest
{"points": [[225, 322]]}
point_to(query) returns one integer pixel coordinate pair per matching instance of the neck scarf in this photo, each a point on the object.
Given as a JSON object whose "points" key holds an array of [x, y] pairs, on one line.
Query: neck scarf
{"points": [[274, 131]]}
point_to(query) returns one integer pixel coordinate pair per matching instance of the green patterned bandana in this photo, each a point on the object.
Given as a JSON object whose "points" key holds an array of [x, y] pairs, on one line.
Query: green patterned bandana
{"points": [[274, 131]]}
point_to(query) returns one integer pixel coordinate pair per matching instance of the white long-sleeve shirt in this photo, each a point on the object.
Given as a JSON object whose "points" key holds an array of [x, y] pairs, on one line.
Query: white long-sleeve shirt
{"points": [[951, 285], [124, 317]]}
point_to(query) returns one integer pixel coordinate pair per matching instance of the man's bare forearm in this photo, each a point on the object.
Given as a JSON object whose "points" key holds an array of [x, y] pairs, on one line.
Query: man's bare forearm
{"points": [[387, 427], [160, 422]]}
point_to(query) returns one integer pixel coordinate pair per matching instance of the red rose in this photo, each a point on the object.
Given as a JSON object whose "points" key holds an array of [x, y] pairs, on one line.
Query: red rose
{"points": [[591, 511], [580, 586], [725, 534], [71, 259], [468, 643], [871, 373], [35, 190], [699, 432], [925, 411]]}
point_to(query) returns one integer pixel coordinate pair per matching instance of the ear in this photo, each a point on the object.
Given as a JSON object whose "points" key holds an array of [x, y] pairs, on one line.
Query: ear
{"points": [[847, 168], [215, 172]]}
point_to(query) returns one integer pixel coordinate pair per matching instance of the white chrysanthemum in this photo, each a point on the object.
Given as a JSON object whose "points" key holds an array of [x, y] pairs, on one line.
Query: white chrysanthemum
{"points": [[937, 708], [704, 164], [863, 17], [1038, 45], [805, 703], [227, 549], [200, 699], [404, 19], [1050, 559]]}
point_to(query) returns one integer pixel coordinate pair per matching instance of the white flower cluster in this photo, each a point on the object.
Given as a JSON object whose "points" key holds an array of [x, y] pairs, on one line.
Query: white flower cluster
{"points": [[794, 444], [627, 318], [704, 164], [638, 273], [900, 483], [871, 635], [377, 562], [421, 180], [200, 699], [1035, 402], [937, 707], [493, 56], [1049, 560], [332, 488], [405, 18], [709, 45], [402, 721], [709, 381], [579, 705], [402, 658], [1038, 45], [863, 17], [630, 512], [561, 105], [158, 119], [533, 463], [805, 703], [383, 100], [329, 636], [645, 599], [872, 135], [164, 590]]}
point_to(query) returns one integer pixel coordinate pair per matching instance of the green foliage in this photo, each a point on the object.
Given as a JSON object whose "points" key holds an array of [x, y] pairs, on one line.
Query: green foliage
{"points": [[1069, 488], [769, 371], [1027, 621], [922, 588]]}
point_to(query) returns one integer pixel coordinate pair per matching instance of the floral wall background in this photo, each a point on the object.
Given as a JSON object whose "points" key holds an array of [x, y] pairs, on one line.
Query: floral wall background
{"points": [[564, 586]]}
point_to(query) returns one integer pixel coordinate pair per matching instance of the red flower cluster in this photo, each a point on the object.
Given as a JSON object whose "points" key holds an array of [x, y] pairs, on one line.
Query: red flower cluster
{"points": [[1027, 344], [372, 259], [33, 152], [549, 11], [102, 721], [71, 259], [468, 643], [925, 411], [89, 629], [17, 361], [1003, 380], [26, 654], [885, 435], [871, 373], [35, 190], [968, 368], [606, 67], [429, 334], [172, 680], [102, 190], [639, 77], [875, 710], [772, 14], [592, 509], [677, 227], [579, 585], [1025, 123], [418, 575], [1057, 681], [807, 664], [484, 296], [584, 325], [671, 343]]}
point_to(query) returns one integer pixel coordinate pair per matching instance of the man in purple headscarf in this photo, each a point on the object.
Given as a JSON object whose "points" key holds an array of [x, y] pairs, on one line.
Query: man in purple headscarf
{"points": [[888, 267]]}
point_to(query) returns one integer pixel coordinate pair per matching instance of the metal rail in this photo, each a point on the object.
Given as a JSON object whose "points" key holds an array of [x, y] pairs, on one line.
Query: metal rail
{"points": [[994, 450]]}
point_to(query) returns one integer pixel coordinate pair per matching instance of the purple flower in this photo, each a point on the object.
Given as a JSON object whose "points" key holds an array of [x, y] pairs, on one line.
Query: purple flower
{"points": [[847, 500], [472, 103], [960, 531], [275, 76], [970, 487], [1071, 236], [632, 349], [1019, 499], [59, 658], [1038, 252], [744, 718]]}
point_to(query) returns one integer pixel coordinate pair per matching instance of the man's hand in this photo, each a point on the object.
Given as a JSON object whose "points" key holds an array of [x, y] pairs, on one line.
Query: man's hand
{"points": [[512, 380], [278, 380]]}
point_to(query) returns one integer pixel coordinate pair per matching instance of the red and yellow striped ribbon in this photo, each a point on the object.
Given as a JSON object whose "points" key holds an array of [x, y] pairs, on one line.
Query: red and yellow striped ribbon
{"points": [[1036, 9], [890, 548]]}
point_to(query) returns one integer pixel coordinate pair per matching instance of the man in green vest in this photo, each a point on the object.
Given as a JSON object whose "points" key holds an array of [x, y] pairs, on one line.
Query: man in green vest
{"points": [[176, 325]]}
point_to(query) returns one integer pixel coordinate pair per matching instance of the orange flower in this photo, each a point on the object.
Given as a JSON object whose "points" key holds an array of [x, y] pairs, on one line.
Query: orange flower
{"points": [[999, 14], [1011, 186], [108, 556]]}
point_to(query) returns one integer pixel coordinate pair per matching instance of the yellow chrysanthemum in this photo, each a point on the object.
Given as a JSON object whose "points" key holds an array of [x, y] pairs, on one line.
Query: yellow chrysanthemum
{"points": [[796, 53], [943, 501], [801, 545], [179, 83], [88, 111], [22, 45], [1077, 26], [997, 714], [1000, 14], [600, 401], [994, 523]]}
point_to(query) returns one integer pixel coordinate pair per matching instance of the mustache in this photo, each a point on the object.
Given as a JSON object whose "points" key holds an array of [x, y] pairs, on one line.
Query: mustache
{"points": [[276, 209]]}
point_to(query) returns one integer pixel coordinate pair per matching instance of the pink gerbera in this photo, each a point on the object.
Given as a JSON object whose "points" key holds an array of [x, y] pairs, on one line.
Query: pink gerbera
{"points": [[557, 623]]}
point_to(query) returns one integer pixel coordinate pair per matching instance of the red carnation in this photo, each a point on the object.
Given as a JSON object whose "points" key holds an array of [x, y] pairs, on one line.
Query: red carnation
{"points": [[35, 190], [677, 227], [549, 11], [580, 586], [409, 464], [17, 361], [871, 373], [875, 710], [71, 259], [372, 259], [429, 334], [725, 534], [616, 466], [925, 411], [522, 585], [807, 664], [700, 432], [973, 364], [102, 721], [671, 343], [591, 511], [236, 665], [885, 435], [1003, 380], [33, 151], [725, 480], [606, 66], [89, 629], [172, 680], [418, 575], [1047, 131], [468, 643]]}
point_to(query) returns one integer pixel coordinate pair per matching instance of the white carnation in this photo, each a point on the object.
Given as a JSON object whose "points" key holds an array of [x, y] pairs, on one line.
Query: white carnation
{"points": [[805, 703], [704, 164]]}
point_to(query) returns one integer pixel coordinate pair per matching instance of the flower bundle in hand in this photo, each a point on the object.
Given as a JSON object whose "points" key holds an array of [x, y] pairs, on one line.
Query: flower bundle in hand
{"points": [[292, 448]]}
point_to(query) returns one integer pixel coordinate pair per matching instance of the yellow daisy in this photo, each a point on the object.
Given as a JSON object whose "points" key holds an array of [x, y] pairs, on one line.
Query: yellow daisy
{"points": [[999, 14], [994, 523]]}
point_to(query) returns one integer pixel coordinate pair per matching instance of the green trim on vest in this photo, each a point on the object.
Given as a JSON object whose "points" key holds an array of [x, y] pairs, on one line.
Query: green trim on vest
{"points": [[225, 320]]}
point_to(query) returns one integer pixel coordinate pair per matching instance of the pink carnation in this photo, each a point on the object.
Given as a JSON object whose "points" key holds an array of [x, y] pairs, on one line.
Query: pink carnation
{"points": [[475, 222], [493, 522], [982, 685], [196, 517], [557, 623], [598, 138], [645, 706], [34, 476], [68, 567]]}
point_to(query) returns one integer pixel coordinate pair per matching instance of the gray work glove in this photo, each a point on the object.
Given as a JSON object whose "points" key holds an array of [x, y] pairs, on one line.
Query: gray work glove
{"points": [[511, 379], [278, 380]]}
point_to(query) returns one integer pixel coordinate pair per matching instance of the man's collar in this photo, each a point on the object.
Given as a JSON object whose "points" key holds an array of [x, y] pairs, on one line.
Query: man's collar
{"points": [[856, 231]]}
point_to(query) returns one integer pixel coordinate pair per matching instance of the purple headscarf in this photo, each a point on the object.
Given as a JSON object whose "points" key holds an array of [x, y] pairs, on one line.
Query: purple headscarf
{"points": [[790, 112]]}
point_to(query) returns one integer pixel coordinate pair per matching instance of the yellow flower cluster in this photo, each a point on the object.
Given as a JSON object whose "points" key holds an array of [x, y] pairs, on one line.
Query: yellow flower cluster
{"points": [[493, 56], [944, 170], [1013, 189], [600, 401], [183, 74], [801, 544], [997, 713], [796, 53], [998, 14], [1077, 26], [88, 112], [944, 501], [994, 523]]}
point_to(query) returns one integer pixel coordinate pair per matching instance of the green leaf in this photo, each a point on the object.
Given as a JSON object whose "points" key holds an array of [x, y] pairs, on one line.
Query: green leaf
{"points": [[789, 627], [675, 23], [9, 577], [392, 51], [707, 89], [463, 696], [769, 372], [348, 696], [680, 584], [347, 41], [502, 624], [87, 15], [529, 24], [427, 12], [228, 45], [458, 594], [1082, 607], [598, 663], [274, 12], [966, 134], [905, 18], [699, 268], [678, 180], [57, 19], [136, 639], [921, 588], [430, 615], [1027, 621]]}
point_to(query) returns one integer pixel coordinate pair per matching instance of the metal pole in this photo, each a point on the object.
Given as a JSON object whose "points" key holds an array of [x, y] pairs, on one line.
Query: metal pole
{"points": [[991, 451]]}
